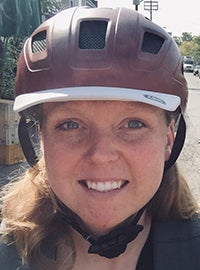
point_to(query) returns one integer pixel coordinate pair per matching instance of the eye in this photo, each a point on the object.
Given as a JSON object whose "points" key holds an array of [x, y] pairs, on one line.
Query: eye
{"points": [[134, 124], [68, 125]]}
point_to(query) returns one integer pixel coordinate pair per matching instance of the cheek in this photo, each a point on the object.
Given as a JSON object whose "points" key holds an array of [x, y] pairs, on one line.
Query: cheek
{"points": [[147, 164], [147, 177], [150, 152], [54, 160], [56, 153], [61, 164]]}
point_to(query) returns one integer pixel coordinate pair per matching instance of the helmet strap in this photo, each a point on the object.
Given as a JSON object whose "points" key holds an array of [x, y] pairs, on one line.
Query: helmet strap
{"points": [[178, 143], [114, 243], [24, 135]]}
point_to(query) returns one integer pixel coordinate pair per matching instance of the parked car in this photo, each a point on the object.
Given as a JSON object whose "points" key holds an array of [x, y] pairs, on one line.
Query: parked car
{"points": [[196, 70], [188, 67], [188, 63]]}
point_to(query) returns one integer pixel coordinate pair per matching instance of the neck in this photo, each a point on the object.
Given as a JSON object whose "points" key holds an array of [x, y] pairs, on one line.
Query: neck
{"points": [[127, 260], [115, 242]]}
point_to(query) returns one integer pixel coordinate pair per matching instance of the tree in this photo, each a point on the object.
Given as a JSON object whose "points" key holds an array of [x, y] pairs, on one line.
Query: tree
{"points": [[196, 52], [186, 36], [9, 51], [11, 42], [18, 19], [187, 48], [190, 45], [50, 7], [178, 40]]}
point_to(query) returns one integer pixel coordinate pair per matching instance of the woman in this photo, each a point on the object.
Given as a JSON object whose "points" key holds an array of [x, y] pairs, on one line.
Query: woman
{"points": [[100, 93]]}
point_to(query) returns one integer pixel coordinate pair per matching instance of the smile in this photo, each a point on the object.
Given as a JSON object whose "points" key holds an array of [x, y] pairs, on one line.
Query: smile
{"points": [[104, 186]]}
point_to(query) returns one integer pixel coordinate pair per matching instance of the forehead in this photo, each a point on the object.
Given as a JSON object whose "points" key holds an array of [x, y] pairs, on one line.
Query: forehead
{"points": [[114, 106]]}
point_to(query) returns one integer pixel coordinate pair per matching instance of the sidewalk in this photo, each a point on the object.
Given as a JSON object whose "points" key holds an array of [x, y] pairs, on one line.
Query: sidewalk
{"points": [[189, 159], [11, 172]]}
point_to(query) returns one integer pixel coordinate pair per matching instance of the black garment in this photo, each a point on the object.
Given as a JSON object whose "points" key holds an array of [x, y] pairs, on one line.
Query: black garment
{"points": [[10, 259], [145, 261], [175, 245]]}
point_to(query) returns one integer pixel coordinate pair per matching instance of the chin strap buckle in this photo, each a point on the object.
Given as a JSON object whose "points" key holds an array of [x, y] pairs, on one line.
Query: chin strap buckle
{"points": [[114, 243]]}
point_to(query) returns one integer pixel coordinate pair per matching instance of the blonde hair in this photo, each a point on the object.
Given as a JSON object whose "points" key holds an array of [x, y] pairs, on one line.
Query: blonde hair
{"points": [[174, 199], [30, 215]]}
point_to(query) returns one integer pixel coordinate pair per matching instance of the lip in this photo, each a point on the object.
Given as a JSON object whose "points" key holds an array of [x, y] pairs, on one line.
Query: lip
{"points": [[103, 186]]}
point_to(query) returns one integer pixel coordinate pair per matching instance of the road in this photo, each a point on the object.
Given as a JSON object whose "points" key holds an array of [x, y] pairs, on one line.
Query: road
{"points": [[189, 160], [194, 100]]}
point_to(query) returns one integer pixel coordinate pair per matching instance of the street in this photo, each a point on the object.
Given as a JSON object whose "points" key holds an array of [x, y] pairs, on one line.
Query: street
{"points": [[194, 100], [189, 160]]}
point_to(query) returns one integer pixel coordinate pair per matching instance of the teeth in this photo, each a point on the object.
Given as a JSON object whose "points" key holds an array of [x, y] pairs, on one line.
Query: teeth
{"points": [[104, 186]]}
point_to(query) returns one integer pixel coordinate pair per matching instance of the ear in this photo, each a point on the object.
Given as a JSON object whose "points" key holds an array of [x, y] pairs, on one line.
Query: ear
{"points": [[170, 138]]}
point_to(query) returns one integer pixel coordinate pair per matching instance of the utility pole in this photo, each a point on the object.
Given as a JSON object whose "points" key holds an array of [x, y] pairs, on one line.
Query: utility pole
{"points": [[136, 3], [151, 6]]}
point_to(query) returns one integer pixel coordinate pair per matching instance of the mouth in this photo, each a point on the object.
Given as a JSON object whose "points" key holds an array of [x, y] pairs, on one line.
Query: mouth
{"points": [[105, 186]]}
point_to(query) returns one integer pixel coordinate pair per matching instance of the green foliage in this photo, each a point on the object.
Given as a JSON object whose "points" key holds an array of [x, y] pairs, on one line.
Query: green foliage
{"points": [[50, 7], [187, 48], [189, 45], [178, 40], [19, 18], [10, 48], [9, 52], [187, 36]]}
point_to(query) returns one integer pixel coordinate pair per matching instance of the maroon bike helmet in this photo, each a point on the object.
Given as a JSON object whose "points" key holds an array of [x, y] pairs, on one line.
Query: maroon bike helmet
{"points": [[100, 54]]}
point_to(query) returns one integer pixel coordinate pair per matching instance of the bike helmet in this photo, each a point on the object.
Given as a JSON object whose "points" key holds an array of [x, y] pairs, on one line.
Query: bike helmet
{"points": [[100, 54]]}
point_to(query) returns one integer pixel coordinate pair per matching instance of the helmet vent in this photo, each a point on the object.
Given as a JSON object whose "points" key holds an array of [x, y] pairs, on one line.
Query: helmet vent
{"points": [[92, 35], [152, 43], [39, 42]]}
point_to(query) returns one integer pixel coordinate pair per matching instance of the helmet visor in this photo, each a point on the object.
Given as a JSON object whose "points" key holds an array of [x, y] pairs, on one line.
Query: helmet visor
{"points": [[164, 101]]}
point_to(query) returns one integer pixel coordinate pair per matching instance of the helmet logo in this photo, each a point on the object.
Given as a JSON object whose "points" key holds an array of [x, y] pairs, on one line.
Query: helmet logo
{"points": [[155, 99]]}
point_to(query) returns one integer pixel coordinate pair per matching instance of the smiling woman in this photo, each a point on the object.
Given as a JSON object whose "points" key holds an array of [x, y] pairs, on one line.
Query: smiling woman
{"points": [[104, 190], [104, 152]]}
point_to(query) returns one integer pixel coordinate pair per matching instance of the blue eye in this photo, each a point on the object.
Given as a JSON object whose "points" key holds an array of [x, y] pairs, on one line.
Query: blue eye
{"points": [[134, 124], [69, 125]]}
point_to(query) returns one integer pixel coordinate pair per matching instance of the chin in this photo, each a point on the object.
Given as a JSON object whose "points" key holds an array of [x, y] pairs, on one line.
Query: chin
{"points": [[102, 227]]}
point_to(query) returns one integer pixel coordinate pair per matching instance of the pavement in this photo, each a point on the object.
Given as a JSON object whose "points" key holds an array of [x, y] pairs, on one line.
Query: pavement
{"points": [[189, 159], [11, 172]]}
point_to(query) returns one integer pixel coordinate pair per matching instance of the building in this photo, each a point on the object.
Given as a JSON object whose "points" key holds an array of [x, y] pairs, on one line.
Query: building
{"points": [[74, 3]]}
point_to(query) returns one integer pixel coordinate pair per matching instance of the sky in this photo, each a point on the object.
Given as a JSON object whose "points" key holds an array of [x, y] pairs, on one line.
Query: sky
{"points": [[176, 16]]}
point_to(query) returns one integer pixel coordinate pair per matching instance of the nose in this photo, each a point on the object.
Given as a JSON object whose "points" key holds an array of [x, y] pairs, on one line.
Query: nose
{"points": [[102, 149]]}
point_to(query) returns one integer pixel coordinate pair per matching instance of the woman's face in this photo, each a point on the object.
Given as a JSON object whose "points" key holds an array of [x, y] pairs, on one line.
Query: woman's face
{"points": [[105, 159]]}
